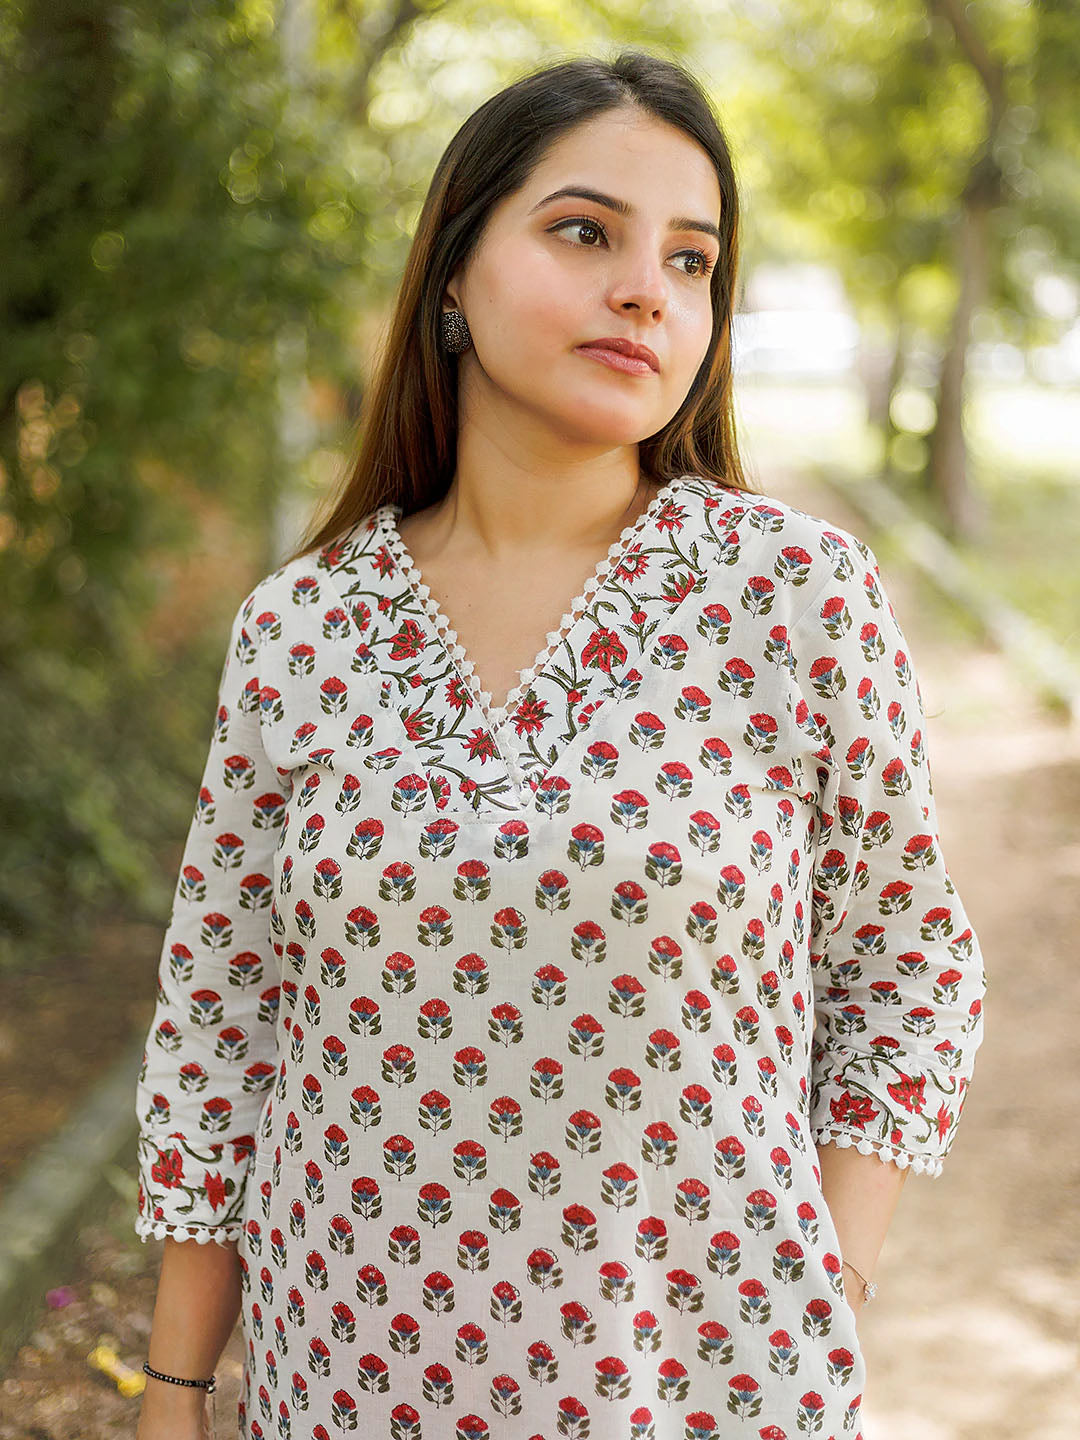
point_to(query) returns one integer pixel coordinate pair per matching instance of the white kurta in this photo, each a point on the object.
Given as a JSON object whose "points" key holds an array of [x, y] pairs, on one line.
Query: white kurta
{"points": [[503, 1049]]}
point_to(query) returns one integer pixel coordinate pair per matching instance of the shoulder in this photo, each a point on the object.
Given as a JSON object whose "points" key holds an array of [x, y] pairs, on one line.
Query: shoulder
{"points": [[784, 519], [803, 552], [306, 581]]}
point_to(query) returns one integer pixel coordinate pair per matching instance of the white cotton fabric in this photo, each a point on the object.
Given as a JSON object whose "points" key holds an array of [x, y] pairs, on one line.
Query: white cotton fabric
{"points": [[502, 1042]]}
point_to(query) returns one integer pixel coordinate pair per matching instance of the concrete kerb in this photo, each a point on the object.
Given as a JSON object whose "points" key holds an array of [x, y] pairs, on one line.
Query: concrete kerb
{"points": [[61, 1186], [1028, 648]]}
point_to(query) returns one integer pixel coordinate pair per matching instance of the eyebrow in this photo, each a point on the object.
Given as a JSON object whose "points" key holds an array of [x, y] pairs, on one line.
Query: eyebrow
{"points": [[624, 208]]}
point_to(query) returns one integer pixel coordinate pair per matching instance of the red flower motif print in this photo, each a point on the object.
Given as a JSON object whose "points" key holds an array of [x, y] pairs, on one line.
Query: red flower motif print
{"points": [[857, 1111], [408, 641], [602, 651], [168, 1169], [215, 1190], [910, 1092]]}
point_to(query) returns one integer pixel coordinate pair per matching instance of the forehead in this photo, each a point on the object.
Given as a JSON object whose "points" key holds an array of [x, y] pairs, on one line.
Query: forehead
{"points": [[651, 164]]}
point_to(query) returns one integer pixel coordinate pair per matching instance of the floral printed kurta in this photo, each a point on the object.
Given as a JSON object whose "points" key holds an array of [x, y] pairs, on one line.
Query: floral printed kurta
{"points": [[502, 1041]]}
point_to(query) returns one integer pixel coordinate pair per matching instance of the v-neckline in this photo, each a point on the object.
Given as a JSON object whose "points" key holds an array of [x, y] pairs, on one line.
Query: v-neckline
{"points": [[497, 716]]}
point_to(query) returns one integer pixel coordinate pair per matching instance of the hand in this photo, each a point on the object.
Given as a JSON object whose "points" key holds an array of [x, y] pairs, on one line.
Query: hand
{"points": [[855, 1298], [854, 1288], [174, 1412]]}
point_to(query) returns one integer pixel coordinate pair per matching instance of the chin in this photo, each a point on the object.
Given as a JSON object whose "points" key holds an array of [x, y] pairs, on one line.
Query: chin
{"points": [[602, 438], [600, 423]]}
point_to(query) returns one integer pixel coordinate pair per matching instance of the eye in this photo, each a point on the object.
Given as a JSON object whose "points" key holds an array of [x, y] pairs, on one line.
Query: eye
{"points": [[586, 222]]}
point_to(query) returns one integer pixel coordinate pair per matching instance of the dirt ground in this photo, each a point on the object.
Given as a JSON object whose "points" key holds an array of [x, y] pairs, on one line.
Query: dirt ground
{"points": [[975, 1333]]}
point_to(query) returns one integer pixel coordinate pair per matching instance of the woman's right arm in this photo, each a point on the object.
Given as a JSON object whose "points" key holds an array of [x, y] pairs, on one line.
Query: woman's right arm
{"points": [[211, 1051], [198, 1301]]}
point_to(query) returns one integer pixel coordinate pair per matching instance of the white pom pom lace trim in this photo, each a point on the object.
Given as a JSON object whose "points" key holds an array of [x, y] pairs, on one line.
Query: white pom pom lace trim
{"points": [[843, 1139], [496, 716], [202, 1234]]}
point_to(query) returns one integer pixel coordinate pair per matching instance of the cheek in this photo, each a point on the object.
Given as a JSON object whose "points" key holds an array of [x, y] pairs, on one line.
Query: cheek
{"points": [[691, 323], [527, 342], [691, 345], [527, 307]]}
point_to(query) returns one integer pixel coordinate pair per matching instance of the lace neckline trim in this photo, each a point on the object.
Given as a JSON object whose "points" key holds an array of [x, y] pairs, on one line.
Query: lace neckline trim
{"points": [[496, 716]]}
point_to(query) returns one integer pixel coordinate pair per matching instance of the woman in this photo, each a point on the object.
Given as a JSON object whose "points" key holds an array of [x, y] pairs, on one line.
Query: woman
{"points": [[485, 1042]]}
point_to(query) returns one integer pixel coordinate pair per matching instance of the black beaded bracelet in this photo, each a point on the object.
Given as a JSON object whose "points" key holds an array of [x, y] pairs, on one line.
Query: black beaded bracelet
{"points": [[208, 1385]]}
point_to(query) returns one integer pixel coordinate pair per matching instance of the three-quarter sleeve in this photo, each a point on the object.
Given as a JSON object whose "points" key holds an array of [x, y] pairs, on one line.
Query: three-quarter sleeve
{"points": [[211, 1050], [897, 970]]}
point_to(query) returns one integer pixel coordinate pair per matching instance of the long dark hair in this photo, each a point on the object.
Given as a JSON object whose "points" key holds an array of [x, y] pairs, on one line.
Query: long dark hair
{"points": [[407, 451]]}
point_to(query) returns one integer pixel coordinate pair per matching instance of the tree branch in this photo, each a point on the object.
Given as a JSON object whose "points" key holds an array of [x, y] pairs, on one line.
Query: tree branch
{"points": [[990, 70], [985, 181]]}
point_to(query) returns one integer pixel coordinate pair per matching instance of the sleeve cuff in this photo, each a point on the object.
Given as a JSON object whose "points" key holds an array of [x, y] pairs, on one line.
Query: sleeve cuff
{"points": [[883, 1149], [147, 1229], [192, 1190]]}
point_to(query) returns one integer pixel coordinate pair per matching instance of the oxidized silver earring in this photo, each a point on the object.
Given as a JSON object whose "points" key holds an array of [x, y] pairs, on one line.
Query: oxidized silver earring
{"points": [[455, 331]]}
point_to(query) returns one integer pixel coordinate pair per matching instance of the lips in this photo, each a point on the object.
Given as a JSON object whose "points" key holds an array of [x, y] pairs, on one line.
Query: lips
{"points": [[623, 347]]}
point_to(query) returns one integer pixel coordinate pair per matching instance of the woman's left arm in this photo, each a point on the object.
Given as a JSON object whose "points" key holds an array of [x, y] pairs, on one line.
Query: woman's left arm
{"points": [[896, 967], [861, 1192]]}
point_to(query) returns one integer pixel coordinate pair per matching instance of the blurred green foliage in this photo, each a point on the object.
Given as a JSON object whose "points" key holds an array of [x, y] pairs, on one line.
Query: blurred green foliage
{"points": [[927, 149], [859, 123], [162, 220]]}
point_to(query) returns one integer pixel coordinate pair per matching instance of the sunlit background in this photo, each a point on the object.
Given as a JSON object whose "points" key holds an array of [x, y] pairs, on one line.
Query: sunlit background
{"points": [[206, 209]]}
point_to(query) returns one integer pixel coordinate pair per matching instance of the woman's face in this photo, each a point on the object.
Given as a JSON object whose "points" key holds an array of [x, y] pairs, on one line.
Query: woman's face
{"points": [[551, 275]]}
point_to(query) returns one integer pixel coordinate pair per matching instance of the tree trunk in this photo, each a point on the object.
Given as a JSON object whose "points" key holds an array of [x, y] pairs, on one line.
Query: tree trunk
{"points": [[889, 427], [948, 470], [984, 190]]}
